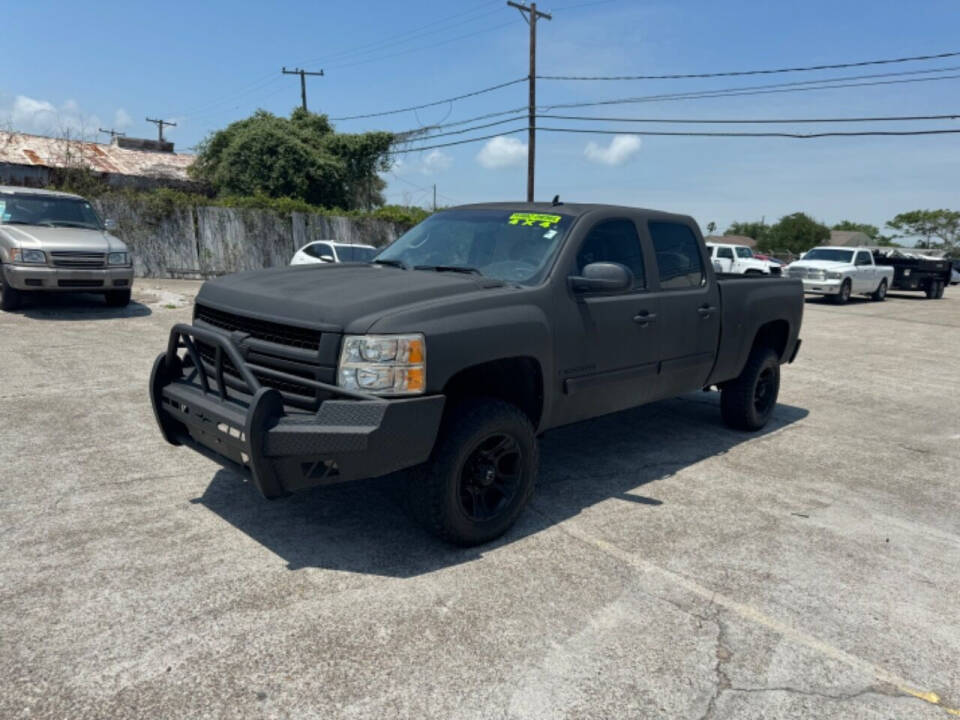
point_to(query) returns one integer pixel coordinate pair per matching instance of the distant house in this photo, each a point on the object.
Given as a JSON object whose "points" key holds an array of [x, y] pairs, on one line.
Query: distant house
{"points": [[37, 161], [849, 238], [732, 240]]}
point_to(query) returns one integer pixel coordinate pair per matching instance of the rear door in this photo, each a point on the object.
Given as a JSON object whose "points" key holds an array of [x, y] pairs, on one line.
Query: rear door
{"points": [[608, 343], [689, 307], [726, 259]]}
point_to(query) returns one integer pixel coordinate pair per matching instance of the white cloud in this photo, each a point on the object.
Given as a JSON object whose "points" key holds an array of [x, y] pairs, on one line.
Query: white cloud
{"points": [[122, 119], [501, 152], [619, 151], [435, 161], [42, 117]]}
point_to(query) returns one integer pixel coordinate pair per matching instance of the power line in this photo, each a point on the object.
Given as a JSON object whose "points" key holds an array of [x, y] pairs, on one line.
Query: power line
{"points": [[801, 136], [825, 84], [516, 118], [432, 104], [808, 68], [768, 121], [456, 142]]}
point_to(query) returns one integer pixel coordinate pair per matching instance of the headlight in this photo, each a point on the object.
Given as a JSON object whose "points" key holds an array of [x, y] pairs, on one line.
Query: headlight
{"points": [[834, 275], [35, 257], [383, 364], [118, 258]]}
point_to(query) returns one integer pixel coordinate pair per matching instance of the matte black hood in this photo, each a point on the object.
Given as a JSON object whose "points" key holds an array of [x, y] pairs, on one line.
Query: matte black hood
{"points": [[332, 296]]}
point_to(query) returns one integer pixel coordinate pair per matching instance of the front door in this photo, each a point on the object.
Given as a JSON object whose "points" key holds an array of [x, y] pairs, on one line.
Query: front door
{"points": [[608, 343], [689, 309]]}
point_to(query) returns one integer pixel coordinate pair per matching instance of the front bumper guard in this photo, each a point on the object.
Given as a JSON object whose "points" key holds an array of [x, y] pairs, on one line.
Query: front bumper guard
{"points": [[352, 435]]}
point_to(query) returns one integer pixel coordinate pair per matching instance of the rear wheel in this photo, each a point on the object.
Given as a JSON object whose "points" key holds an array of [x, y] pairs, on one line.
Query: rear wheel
{"points": [[118, 298], [481, 473], [843, 296], [748, 402], [10, 297], [880, 294]]}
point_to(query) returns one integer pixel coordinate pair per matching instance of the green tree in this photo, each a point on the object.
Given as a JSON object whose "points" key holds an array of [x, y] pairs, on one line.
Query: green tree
{"points": [[301, 157], [930, 228], [758, 230], [797, 233]]}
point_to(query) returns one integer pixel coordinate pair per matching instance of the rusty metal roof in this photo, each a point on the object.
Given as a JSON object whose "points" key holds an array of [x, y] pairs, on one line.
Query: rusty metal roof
{"points": [[22, 149]]}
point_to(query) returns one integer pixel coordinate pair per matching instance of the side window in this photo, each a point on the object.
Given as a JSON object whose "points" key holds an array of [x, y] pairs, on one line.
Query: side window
{"points": [[863, 258], [614, 241], [744, 252], [725, 253], [318, 250], [678, 256]]}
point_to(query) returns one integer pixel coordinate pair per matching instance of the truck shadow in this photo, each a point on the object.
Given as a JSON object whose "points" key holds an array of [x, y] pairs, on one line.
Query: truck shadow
{"points": [[362, 527], [78, 306]]}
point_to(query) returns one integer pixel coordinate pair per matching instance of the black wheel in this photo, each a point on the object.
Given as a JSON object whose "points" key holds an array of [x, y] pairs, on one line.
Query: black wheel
{"points": [[753, 272], [880, 294], [118, 298], [939, 293], [481, 473], [931, 290], [843, 296], [10, 297], [747, 402]]}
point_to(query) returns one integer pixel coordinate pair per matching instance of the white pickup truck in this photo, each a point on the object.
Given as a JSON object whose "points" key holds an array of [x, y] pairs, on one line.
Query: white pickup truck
{"points": [[739, 260], [840, 272]]}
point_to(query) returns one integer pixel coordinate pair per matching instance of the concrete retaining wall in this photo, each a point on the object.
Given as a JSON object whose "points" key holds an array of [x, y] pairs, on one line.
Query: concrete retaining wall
{"points": [[181, 241]]}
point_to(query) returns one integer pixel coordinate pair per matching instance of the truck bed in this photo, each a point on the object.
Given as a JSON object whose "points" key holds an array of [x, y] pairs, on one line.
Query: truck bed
{"points": [[748, 304]]}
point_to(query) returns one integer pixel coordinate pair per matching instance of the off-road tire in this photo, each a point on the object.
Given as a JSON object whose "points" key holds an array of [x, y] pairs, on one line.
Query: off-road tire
{"points": [[842, 297], [939, 294], [117, 298], [931, 290], [10, 297], [880, 294], [739, 405], [437, 486]]}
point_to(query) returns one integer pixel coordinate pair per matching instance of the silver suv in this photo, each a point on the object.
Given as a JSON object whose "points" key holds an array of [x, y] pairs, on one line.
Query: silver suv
{"points": [[56, 242]]}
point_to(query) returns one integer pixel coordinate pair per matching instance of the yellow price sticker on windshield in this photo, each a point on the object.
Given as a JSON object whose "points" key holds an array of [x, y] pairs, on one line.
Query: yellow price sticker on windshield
{"points": [[533, 219]]}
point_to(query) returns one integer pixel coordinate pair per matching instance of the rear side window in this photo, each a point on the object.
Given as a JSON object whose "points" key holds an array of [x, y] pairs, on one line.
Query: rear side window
{"points": [[679, 264], [725, 253], [863, 258], [614, 241], [354, 253]]}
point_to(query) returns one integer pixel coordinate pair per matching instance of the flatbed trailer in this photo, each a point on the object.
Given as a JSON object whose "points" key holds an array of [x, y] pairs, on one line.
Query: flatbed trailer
{"points": [[916, 272]]}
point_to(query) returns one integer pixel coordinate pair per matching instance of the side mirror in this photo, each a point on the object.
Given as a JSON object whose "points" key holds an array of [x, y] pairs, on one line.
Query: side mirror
{"points": [[109, 224], [327, 258], [602, 277]]}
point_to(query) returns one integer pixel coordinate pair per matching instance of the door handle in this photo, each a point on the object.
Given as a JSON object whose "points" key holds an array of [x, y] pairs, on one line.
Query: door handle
{"points": [[706, 311], [644, 318]]}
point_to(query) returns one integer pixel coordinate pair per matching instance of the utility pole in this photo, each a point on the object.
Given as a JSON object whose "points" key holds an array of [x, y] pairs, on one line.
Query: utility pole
{"points": [[531, 14], [112, 133], [160, 124], [303, 82], [434, 197]]}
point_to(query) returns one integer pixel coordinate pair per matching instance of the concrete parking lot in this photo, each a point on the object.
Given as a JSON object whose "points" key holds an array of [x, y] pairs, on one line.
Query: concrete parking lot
{"points": [[668, 567]]}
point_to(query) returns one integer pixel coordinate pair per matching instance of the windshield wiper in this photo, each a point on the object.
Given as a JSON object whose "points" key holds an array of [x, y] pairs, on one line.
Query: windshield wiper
{"points": [[73, 223], [391, 263], [449, 268]]}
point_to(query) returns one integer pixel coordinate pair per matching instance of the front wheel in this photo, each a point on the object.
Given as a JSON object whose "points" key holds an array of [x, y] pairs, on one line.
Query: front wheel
{"points": [[481, 473], [747, 402], [118, 298], [939, 293], [880, 294], [10, 297], [842, 297]]}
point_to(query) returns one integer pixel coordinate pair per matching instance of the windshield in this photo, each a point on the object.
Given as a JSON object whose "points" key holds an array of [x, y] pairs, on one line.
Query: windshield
{"points": [[515, 247], [49, 210], [744, 252], [355, 253], [844, 256]]}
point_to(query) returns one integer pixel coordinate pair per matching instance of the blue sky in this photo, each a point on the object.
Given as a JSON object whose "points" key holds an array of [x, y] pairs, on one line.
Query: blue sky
{"points": [[205, 64]]}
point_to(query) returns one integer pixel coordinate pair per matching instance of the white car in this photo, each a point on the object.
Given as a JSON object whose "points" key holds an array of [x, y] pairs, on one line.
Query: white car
{"points": [[739, 259], [840, 272], [328, 251]]}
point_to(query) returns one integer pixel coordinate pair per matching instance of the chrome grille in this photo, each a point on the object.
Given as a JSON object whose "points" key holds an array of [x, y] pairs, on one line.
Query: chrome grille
{"points": [[68, 259]]}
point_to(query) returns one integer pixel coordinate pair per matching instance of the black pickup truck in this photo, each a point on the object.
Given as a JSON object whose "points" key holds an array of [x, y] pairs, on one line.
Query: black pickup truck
{"points": [[459, 344]]}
